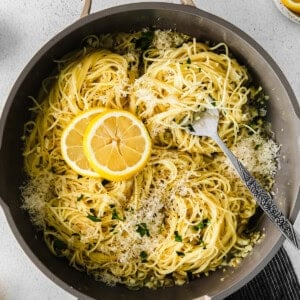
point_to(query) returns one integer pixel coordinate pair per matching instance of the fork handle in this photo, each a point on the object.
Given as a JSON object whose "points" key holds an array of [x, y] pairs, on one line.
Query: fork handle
{"points": [[262, 197]]}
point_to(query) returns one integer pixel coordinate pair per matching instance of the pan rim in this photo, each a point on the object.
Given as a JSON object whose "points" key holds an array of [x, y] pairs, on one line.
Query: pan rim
{"points": [[109, 12]]}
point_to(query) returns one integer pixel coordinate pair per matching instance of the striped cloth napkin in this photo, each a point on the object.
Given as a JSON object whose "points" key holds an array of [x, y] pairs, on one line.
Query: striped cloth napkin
{"points": [[277, 281]]}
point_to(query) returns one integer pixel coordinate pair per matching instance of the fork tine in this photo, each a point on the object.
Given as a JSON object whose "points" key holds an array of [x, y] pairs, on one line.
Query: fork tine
{"points": [[206, 125], [214, 112]]}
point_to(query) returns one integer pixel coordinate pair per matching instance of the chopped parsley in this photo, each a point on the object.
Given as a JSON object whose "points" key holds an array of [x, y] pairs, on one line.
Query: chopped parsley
{"points": [[178, 237], [93, 218], [115, 215], [80, 197], [202, 243], [179, 253], [59, 246], [130, 209], [201, 225], [190, 128], [144, 256], [250, 132], [189, 61], [113, 228], [213, 102], [142, 229], [144, 42]]}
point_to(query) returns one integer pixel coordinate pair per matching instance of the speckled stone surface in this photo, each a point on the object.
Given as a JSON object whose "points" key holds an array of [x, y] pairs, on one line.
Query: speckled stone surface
{"points": [[26, 25]]}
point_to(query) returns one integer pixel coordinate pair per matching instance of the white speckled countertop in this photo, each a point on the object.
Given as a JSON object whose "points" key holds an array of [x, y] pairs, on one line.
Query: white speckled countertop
{"points": [[26, 25]]}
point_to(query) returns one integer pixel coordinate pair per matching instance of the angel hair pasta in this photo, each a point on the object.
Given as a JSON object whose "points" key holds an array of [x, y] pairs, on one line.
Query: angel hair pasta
{"points": [[186, 212]]}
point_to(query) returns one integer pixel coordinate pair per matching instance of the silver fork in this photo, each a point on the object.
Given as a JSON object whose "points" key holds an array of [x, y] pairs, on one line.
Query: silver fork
{"points": [[207, 125]]}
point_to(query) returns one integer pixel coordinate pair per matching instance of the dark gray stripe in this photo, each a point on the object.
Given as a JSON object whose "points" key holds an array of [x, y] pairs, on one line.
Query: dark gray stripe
{"points": [[277, 281]]}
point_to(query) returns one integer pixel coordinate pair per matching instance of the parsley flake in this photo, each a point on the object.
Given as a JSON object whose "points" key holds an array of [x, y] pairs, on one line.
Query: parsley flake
{"points": [[178, 237], [144, 42], [202, 243], [143, 256], [142, 229], [112, 228], [59, 246], [179, 253], [190, 128], [201, 225], [93, 218], [80, 197], [115, 215]]}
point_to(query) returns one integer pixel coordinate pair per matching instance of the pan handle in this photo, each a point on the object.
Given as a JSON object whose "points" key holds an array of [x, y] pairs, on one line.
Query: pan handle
{"points": [[188, 2], [88, 3], [86, 8]]}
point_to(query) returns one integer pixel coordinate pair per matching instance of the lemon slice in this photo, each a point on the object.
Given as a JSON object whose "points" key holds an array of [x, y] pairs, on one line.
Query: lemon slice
{"points": [[293, 5], [117, 144], [72, 143]]}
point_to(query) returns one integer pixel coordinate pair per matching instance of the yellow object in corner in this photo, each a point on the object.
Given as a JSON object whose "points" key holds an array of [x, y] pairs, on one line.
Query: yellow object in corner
{"points": [[293, 5]]}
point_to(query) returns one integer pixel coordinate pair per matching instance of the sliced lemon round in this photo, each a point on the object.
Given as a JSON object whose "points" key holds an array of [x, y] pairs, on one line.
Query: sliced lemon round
{"points": [[293, 5], [117, 144], [72, 143]]}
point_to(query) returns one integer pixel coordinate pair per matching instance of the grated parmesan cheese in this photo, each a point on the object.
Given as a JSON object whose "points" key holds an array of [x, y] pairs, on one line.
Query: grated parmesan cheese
{"points": [[132, 243], [257, 155], [36, 193], [168, 39]]}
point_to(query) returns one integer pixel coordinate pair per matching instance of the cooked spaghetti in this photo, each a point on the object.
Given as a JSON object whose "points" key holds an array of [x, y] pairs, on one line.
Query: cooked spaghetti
{"points": [[186, 212]]}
